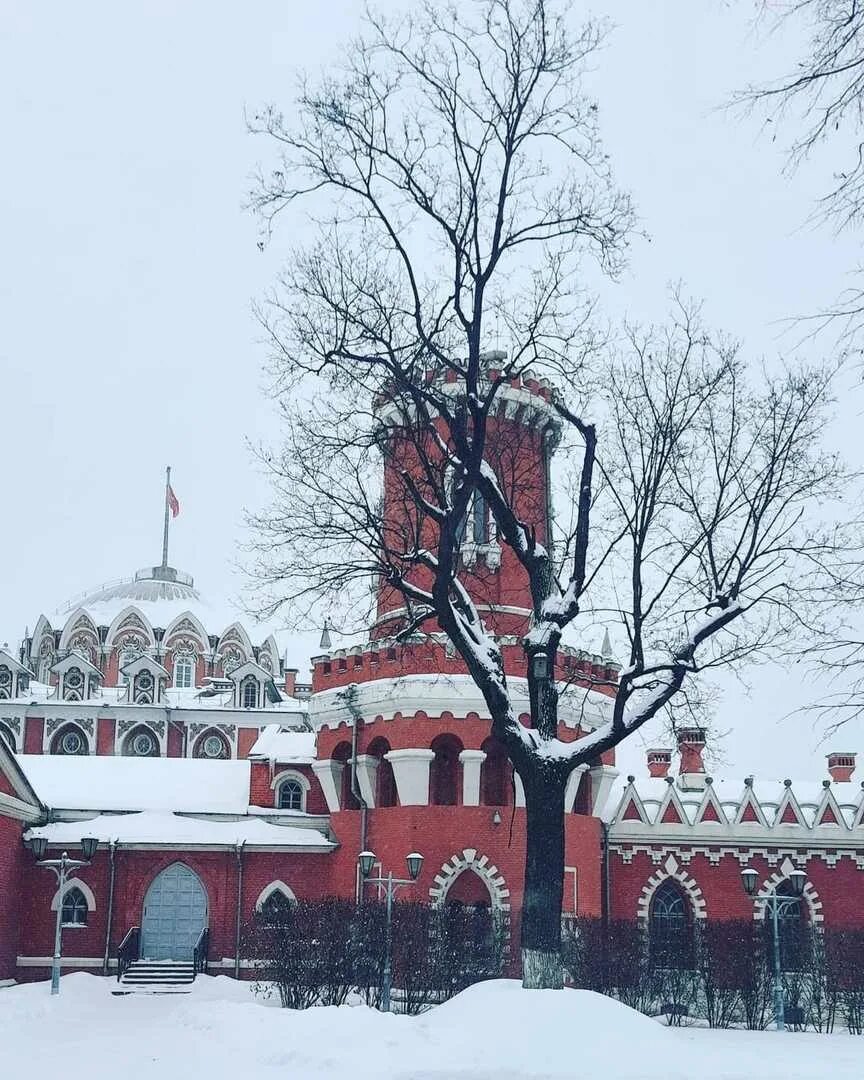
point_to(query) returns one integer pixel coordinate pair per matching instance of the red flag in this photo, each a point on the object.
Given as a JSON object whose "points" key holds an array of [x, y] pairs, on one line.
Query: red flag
{"points": [[172, 502]]}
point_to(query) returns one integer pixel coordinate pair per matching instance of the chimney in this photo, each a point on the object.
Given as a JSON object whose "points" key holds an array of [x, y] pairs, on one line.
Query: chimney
{"points": [[691, 743], [841, 767], [290, 680], [658, 763]]}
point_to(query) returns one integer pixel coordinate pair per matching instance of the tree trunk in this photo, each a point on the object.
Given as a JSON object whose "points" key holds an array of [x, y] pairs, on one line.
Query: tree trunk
{"points": [[544, 879]]}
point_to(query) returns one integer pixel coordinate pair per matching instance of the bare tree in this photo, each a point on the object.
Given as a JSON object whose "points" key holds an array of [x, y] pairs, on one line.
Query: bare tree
{"points": [[821, 100], [458, 162]]}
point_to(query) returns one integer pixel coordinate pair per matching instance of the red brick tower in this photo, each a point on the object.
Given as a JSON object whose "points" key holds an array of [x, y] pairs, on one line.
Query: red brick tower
{"points": [[405, 757]]}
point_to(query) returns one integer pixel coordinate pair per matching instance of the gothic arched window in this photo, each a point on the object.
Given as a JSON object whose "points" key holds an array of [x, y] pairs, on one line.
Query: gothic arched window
{"points": [[791, 928], [670, 929], [7, 736], [249, 695], [276, 908], [74, 908], [70, 741], [141, 742]]}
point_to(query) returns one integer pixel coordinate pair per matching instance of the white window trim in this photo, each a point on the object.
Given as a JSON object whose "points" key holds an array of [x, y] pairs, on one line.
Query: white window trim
{"points": [[268, 890], [283, 777], [75, 883], [182, 661]]}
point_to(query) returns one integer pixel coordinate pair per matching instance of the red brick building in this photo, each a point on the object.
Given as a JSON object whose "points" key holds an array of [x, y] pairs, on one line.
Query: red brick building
{"points": [[215, 782]]}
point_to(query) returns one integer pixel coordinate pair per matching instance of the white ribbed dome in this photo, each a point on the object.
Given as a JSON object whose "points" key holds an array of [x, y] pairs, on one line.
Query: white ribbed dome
{"points": [[152, 584]]}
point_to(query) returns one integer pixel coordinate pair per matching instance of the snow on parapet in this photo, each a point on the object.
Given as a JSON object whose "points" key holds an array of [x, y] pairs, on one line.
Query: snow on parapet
{"points": [[138, 783], [160, 828], [284, 747]]}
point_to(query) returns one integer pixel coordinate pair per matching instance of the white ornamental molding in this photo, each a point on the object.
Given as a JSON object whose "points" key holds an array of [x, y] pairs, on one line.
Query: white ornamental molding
{"points": [[777, 878], [671, 869], [743, 854], [469, 860]]}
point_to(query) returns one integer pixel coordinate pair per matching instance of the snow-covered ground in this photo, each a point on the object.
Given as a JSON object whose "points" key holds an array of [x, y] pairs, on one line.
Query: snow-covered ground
{"points": [[494, 1031]]}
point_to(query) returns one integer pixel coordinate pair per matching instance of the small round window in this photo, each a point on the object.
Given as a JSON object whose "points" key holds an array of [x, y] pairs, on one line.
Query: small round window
{"points": [[145, 681], [72, 742], [144, 745], [74, 678], [213, 747]]}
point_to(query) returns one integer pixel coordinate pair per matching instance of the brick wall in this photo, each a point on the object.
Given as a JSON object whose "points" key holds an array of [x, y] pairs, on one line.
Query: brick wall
{"points": [[10, 892]]}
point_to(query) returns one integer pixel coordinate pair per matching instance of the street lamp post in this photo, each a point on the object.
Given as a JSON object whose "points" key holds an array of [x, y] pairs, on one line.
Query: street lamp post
{"points": [[61, 868], [776, 905], [390, 884]]}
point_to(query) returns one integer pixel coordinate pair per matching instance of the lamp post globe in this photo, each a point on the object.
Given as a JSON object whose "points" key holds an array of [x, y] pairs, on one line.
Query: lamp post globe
{"points": [[89, 844], [367, 861], [38, 845], [415, 864], [750, 880], [797, 881]]}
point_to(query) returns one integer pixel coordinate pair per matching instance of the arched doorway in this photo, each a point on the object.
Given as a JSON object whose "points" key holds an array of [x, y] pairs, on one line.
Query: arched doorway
{"points": [[175, 913]]}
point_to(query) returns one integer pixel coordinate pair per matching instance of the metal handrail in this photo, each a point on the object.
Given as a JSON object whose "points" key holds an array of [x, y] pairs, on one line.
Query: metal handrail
{"points": [[199, 956], [130, 949], [78, 597]]}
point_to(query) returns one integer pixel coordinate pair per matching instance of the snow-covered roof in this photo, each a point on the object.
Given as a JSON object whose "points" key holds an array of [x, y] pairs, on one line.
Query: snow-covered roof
{"points": [[276, 744], [191, 785], [154, 827]]}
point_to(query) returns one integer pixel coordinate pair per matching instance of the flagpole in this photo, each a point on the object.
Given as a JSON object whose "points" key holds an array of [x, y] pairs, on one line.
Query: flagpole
{"points": [[165, 532]]}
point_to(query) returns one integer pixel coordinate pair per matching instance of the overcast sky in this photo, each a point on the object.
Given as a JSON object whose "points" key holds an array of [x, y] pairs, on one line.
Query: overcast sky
{"points": [[128, 266]]}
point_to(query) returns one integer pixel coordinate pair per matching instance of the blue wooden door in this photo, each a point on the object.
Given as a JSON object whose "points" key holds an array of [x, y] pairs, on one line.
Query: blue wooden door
{"points": [[175, 913]]}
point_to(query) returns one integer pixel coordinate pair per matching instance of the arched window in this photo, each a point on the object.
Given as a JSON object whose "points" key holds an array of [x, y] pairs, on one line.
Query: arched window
{"points": [[276, 909], [444, 771], [141, 742], [670, 930], [70, 740], [74, 908], [143, 688], [73, 684], [249, 692], [347, 798], [494, 775], [291, 795], [480, 520], [791, 928], [385, 781], [184, 671], [212, 745]]}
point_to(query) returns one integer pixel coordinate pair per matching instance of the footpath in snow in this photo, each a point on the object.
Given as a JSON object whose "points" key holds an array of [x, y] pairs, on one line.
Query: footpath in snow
{"points": [[493, 1031]]}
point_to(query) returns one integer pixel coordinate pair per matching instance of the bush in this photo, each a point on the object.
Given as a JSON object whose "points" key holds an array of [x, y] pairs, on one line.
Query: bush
{"points": [[318, 952]]}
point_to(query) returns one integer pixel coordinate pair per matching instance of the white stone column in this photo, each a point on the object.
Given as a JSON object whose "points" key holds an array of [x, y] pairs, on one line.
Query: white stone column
{"points": [[602, 779], [471, 761], [411, 772], [520, 790], [572, 789], [367, 769], [329, 773]]}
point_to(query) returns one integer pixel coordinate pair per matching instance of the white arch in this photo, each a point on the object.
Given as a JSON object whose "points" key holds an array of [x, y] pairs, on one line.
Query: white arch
{"points": [[241, 639], [129, 735], [768, 886], [274, 887], [72, 623], [269, 646], [671, 869], [196, 631], [117, 625], [290, 774], [286, 776], [468, 859], [75, 883]]}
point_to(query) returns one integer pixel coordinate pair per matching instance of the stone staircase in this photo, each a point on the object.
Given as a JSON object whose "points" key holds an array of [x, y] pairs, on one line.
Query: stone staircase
{"points": [[157, 977]]}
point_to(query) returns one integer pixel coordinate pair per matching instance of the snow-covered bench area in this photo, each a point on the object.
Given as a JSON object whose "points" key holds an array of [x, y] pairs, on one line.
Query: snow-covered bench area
{"points": [[493, 1031]]}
